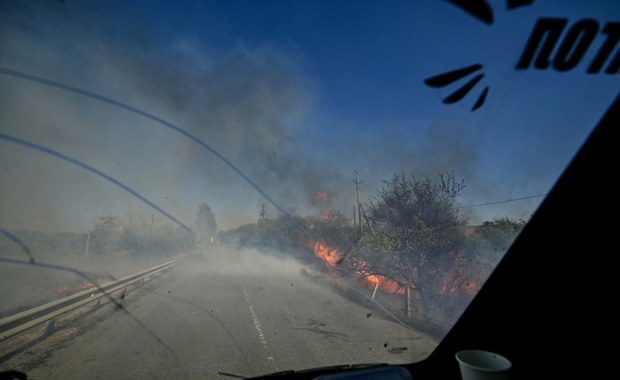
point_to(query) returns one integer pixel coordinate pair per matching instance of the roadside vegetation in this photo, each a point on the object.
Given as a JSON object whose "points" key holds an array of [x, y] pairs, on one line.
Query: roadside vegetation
{"points": [[414, 238], [414, 241]]}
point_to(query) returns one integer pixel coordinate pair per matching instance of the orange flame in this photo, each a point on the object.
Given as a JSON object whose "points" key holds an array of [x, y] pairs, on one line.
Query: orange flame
{"points": [[456, 281], [322, 196], [73, 289], [331, 257], [384, 283], [325, 253], [327, 215]]}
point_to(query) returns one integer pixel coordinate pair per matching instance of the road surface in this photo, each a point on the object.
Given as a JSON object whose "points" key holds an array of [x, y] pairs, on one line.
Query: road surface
{"points": [[222, 311]]}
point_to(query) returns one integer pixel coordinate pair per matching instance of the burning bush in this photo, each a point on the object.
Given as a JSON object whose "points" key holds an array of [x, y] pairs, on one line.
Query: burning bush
{"points": [[418, 241], [416, 223]]}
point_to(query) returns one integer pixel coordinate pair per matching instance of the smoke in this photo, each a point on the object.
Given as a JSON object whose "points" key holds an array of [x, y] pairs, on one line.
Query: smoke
{"points": [[247, 262], [250, 104], [243, 102]]}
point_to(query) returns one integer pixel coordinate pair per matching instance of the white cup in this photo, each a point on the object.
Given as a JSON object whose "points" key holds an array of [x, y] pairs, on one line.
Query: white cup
{"points": [[482, 365]]}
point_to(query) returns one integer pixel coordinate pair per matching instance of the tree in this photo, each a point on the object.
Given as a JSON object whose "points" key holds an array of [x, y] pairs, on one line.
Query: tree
{"points": [[278, 235], [490, 241], [246, 235], [417, 237], [106, 235], [282, 233], [336, 231], [417, 217], [499, 233], [413, 202], [205, 226], [146, 240]]}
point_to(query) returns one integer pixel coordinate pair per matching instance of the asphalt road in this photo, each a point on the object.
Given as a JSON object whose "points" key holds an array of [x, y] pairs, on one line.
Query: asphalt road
{"points": [[227, 311]]}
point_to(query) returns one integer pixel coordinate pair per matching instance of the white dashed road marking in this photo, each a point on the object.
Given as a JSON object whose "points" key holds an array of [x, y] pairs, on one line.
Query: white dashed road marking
{"points": [[261, 335]]}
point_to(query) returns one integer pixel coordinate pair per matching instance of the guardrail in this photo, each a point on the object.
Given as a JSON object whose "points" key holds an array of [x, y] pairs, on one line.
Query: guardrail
{"points": [[22, 321]]}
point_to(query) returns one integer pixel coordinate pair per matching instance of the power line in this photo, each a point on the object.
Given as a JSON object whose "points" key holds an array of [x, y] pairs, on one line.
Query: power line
{"points": [[504, 201]]}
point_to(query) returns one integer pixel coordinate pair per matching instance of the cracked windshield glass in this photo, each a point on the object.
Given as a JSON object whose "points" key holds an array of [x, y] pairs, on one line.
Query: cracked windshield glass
{"points": [[221, 189]]}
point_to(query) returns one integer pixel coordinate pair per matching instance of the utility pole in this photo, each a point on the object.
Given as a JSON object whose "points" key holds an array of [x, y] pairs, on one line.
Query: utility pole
{"points": [[262, 212], [87, 245], [357, 191], [368, 222]]}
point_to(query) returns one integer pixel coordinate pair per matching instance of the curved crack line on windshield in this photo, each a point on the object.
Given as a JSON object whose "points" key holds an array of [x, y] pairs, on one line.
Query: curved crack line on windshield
{"points": [[119, 306], [93, 170], [167, 124], [20, 243], [98, 287], [116, 103]]}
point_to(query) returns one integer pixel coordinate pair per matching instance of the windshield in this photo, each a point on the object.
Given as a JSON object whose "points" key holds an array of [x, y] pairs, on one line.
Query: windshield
{"points": [[236, 188]]}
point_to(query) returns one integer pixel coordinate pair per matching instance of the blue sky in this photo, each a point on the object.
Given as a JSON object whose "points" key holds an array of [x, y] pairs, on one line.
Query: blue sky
{"points": [[296, 94]]}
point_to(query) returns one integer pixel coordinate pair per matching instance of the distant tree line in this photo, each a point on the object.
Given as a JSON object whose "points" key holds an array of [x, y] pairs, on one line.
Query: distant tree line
{"points": [[44, 246], [111, 236]]}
